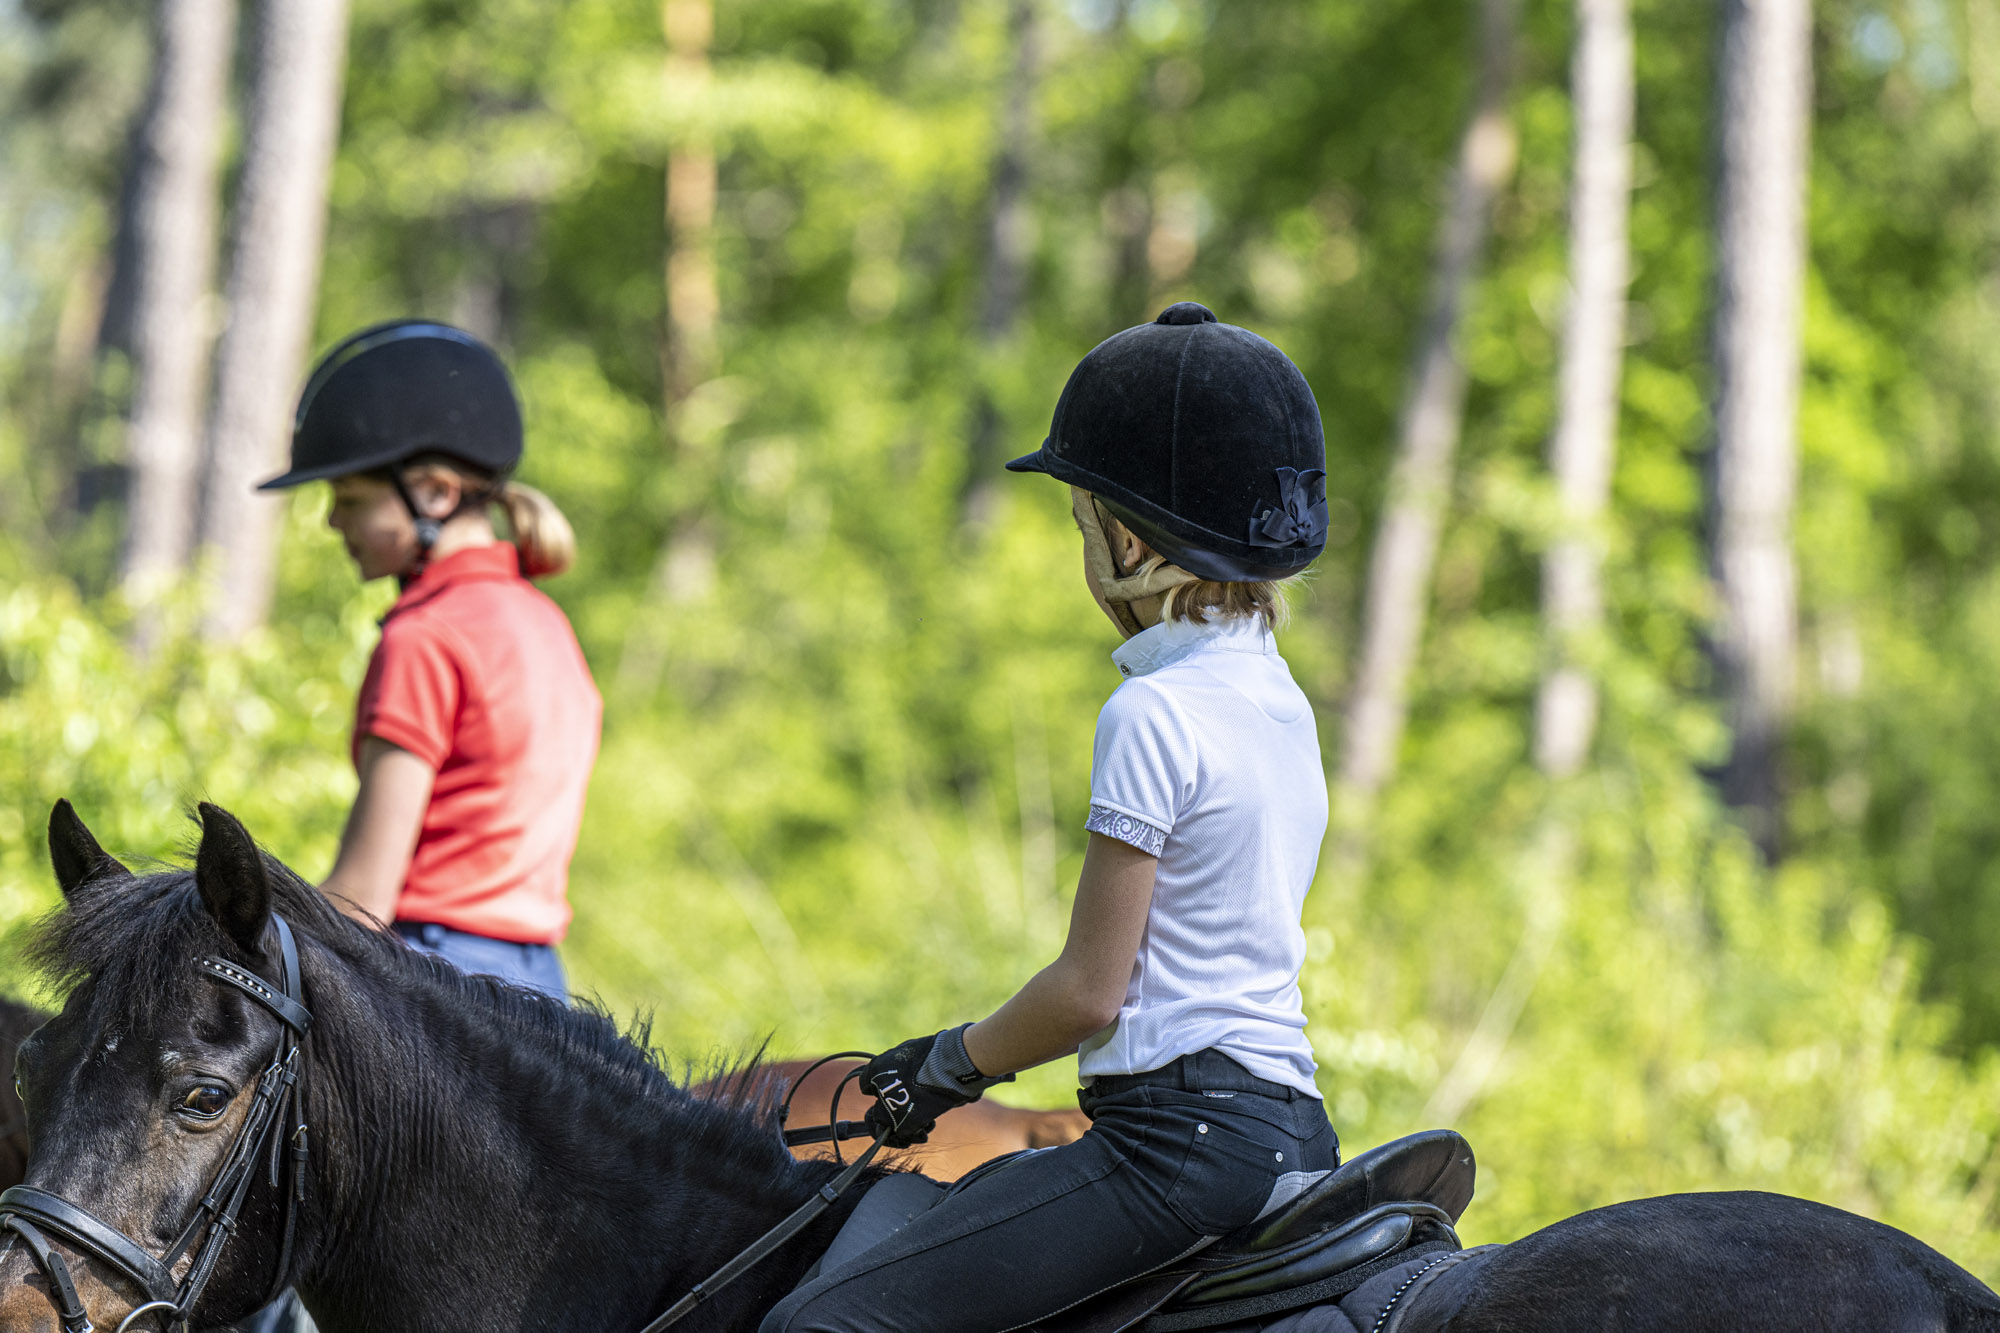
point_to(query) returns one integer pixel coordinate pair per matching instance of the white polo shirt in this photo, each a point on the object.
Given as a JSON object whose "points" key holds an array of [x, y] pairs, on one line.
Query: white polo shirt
{"points": [[1207, 758]]}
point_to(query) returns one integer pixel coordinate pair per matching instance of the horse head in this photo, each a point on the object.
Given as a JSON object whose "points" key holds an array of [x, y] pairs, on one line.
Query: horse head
{"points": [[138, 1091]]}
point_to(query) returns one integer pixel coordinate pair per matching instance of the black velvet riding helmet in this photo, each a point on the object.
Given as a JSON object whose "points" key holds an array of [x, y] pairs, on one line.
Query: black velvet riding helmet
{"points": [[1200, 437], [399, 390]]}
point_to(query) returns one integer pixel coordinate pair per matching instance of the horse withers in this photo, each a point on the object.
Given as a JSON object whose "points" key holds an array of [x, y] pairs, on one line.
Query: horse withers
{"points": [[477, 1157], [964, 1137]]}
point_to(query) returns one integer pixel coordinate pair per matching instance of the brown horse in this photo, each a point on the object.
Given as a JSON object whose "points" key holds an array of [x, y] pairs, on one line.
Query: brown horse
{"points": [[963, 1139], [16, 1022]]}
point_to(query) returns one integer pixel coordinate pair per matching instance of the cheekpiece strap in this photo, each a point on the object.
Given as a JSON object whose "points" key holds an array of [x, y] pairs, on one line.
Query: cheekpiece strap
{"points": [[74, 1318]]}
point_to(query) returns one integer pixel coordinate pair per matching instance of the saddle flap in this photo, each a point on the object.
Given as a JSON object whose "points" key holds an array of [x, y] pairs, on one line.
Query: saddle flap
{"points": [[884, 1210], [1433, 1167], [1385, 1230]]}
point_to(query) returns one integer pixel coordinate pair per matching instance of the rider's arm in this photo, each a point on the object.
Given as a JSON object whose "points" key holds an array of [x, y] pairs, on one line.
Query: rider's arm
{"points": [[381, 832], [1078, 994]]}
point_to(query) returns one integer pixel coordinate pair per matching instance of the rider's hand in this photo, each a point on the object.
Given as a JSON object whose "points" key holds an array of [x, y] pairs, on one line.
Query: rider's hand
{"points": [[917, 1081]]}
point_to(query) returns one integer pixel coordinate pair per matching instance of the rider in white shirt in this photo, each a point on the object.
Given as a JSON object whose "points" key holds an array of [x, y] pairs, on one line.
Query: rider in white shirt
{"points": [[1196, 466]]}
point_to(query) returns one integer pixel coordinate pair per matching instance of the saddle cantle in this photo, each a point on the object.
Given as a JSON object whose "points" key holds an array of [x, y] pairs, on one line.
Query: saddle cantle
{"points": [[1387, 1206]]}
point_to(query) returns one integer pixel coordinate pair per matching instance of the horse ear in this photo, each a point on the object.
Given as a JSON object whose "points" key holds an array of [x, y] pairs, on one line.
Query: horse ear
{"points": [[229, 871], [76, 855]]}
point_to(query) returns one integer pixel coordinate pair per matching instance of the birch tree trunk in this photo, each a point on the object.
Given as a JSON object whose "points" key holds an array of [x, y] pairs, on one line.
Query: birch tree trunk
{"points": [[174, 227], [294, 122], [1765, 93], [1580, 455], [1586, 435], [1399, 572], [1010, 240]]}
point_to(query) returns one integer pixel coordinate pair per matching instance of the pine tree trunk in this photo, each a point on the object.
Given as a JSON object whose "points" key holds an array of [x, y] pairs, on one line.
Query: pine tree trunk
{"points": [[174, 226], [1765, 94], [694, 302], [1010, 237], [1586, 434], [690, 354], [1399, 573], [294, 122]]}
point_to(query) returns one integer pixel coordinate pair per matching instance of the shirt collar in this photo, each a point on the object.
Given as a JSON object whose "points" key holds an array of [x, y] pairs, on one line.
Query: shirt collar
{"points": [[1172, 640], [494, 562]]}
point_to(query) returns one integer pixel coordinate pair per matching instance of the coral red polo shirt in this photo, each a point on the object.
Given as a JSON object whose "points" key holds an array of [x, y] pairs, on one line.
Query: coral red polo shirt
{"points": [[479, 675]]}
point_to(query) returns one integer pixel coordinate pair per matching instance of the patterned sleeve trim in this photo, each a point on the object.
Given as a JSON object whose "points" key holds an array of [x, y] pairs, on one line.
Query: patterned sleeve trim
{"points": [[1135, 832]]}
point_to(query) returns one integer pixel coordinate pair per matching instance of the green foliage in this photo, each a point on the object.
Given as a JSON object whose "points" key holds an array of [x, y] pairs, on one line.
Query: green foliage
{"points": [[847, 738]]}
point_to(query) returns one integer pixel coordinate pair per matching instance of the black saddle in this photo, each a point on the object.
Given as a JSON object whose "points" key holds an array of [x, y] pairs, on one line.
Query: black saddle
{"points": [[1387, 1206]]}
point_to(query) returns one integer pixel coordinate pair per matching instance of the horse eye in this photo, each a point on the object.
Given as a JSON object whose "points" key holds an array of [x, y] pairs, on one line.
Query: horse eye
{"points": [[205, 1102]]}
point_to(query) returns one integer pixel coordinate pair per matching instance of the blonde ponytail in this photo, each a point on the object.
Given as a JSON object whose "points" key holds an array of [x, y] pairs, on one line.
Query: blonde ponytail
{"points": [[1203, 599], [541, 533]]}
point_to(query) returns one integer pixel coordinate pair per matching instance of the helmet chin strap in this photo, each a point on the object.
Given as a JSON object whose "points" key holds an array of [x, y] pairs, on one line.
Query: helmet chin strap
{"points": [[428, 528], [1132, 600]]}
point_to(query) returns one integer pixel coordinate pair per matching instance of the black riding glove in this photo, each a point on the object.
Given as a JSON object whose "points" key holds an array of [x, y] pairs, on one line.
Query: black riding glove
{"points": [[919, 1080]]}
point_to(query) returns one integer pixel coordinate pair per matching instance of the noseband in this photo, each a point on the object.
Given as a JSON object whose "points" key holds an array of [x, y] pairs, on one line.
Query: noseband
{"points": [[28, 1213]]}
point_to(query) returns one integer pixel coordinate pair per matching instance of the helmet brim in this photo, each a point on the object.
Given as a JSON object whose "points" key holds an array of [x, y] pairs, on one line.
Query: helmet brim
{"points": [[346, 467], [1038, 461], [1206, 556]]}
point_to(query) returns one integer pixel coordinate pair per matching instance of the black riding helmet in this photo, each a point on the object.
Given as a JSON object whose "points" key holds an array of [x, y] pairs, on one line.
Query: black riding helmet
{"points": [[393, 392], [399, 391], [1200, 437]]}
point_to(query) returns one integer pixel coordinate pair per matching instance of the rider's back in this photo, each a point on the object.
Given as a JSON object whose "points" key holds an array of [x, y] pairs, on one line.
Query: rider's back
{"points": [[479, 674], [1210, 746]]}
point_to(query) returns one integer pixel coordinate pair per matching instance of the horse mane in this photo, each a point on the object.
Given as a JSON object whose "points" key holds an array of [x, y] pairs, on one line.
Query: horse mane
{"points": [[134, 938]]}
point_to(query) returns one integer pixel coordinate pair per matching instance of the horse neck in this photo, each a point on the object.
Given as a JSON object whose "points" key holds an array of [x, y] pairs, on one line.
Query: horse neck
{"points": [[466, 1160]]}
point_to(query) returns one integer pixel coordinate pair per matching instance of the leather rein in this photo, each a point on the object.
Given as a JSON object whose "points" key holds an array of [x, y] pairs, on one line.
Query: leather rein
{"points": [[275, 1119]]}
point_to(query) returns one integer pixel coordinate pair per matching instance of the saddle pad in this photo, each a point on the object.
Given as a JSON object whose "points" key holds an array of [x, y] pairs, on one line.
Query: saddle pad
{"points": [[1376, 1306]]}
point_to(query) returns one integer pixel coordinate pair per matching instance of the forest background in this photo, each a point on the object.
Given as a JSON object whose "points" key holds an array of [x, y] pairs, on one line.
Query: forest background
{"points": [[850, 668]]}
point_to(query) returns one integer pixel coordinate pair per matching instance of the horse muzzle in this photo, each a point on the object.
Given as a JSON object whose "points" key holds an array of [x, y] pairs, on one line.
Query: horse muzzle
{"points": [[51, 1287]]}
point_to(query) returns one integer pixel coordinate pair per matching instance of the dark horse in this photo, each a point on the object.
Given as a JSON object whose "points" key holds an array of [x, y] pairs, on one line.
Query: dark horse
{"points": [[17, 1020], [483, 1158]]}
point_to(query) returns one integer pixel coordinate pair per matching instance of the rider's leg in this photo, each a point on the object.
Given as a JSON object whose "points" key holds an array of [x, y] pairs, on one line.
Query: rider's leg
{"points": [[1162, 1172]]}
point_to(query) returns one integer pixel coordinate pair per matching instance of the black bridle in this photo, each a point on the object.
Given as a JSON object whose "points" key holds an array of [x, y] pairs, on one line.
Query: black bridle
{"points": [[275, 1118], [29, 1212]]}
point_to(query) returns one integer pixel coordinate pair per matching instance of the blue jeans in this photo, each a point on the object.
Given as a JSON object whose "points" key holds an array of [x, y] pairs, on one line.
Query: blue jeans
{"points": [[530, 966], [1173, 1159]]}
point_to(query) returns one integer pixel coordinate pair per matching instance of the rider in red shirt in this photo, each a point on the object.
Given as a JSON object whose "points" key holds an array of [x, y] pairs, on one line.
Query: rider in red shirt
{"points": [[478, 723]]}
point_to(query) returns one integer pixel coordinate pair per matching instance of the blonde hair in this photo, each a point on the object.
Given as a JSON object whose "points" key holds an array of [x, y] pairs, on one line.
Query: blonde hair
{"points": [[1206, 599], [537, 528], [541, 534], [1211, 599]]}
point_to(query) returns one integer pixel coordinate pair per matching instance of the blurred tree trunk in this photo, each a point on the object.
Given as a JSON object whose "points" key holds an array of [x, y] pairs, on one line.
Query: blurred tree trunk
{"points": [[174, 226], [694, 303], [1586, 433], [693, 299], [689, 350], [293, 124], [1580, 455], [1399, 572], [1009, 246], [1765, 93]]}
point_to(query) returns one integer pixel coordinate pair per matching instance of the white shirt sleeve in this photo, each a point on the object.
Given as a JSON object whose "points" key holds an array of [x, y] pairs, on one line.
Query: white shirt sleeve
{"points": [[1142, 768]]}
